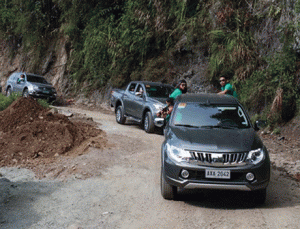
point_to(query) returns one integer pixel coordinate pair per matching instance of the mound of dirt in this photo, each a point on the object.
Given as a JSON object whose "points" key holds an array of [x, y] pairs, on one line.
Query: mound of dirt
{"points": [[29, 132]]}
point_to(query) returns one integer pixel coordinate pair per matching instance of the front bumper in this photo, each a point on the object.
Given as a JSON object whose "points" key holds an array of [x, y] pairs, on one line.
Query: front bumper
{"points": [[197, 179], [40, 95]]}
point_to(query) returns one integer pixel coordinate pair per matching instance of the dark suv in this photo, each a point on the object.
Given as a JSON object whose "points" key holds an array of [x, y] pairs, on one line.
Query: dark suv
{"points": [[210, 143], [31, 85]]}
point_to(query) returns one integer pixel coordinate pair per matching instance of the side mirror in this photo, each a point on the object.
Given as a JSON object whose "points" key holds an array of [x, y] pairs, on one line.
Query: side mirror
{"points": [[159, 122], [259, 124]]}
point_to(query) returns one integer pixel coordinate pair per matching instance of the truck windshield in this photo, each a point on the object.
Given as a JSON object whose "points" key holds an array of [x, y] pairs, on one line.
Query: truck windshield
{"points": [[36, 79], [209, 116], [158, 91]]}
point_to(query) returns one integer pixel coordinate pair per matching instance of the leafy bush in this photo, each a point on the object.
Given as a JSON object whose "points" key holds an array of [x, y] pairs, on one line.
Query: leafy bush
{"points": [[6, 101], [30, 24], [120, 37], [273, 90], [277, 131], [43, 103]]}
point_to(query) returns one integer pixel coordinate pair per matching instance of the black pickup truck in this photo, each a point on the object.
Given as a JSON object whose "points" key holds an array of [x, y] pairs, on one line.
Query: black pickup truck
{"points": [[140, 101]]}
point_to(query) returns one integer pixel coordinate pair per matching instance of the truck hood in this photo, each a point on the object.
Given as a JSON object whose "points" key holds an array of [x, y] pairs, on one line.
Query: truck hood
{"points": [[42, 85], [214, 140], [157, 100]]}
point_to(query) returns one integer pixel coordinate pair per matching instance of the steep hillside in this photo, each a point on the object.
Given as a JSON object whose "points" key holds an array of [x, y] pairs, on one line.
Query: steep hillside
{"points": [[87, 47], [52, 64]]}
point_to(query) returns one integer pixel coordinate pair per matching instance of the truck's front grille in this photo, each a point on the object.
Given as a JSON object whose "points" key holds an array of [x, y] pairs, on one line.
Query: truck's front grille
{"points": [[220, 159]]}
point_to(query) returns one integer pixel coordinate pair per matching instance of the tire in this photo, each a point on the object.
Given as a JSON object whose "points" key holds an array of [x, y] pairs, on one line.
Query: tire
{"points": [[148, 123], [8, 92], [25, 93], [120, 115], [259, 196], [168, 192]]}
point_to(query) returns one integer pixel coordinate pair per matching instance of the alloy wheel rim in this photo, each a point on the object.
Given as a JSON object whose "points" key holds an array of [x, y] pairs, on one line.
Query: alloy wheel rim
{"points": [[146, 123], [118, 115]]}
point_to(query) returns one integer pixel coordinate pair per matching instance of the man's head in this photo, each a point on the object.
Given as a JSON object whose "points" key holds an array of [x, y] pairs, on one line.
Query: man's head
{"points": [[22, 76], [182, 85], [223, 81]]}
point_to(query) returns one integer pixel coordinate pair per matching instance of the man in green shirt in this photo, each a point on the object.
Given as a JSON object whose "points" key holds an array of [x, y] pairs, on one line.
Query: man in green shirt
{"points": [[21, 79], [181, 88], [226, 87]]}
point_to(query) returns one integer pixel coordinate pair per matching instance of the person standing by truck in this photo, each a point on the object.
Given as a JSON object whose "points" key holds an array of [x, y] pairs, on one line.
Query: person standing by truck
{"points": [[226, 87], [166, 112], [181, 88]]}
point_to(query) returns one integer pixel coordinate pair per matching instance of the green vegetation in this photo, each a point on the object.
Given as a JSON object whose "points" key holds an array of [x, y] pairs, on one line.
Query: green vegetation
{"points": [[29, 24], [115, 41], [43, 103], [6, 101], [266, 85], [277, 131]]}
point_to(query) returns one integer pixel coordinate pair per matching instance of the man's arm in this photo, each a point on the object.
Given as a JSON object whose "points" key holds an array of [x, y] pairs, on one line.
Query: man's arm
{"points": [[226, 90], [223, 92]]}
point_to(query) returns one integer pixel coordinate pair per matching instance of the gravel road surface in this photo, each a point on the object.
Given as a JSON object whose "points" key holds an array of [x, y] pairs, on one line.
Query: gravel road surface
{"points": [[119, 187]]}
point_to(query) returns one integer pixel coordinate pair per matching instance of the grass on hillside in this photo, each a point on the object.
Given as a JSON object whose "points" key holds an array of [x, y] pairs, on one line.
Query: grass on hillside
{"points": [[6, 101]]}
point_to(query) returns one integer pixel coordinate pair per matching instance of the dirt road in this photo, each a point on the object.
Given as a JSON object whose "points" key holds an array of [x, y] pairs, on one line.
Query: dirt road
{"points": [[118, 187]]}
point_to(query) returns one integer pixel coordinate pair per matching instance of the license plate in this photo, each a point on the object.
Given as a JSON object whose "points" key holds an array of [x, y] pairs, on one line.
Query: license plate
{"points": [[217, 173], [46, 92]]}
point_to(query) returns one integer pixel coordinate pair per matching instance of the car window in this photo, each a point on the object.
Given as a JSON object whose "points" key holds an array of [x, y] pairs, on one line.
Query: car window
{"points": [[36, 79], [159, 91], [139, 90], [199, 115], [132, 87]]}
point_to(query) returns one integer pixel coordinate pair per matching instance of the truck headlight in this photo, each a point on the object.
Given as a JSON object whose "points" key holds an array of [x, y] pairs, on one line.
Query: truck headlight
{"points": [[178, 154], [32, 88], [256, 156]]}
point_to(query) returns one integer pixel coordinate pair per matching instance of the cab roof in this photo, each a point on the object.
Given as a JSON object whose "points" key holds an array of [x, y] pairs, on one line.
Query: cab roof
{"points": [[208, 98], [151, 83]]}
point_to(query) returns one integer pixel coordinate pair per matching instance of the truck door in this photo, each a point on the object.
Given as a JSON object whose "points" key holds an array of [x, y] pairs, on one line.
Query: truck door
{"points": [[138, 102], [128, 98], [19, 84]]}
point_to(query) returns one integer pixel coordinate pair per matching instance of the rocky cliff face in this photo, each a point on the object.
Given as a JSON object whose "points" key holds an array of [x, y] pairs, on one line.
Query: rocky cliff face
{"points": [[52, 65]]}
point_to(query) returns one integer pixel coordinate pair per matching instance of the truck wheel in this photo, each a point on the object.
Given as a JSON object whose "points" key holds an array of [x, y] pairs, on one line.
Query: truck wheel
{"points": [[148, 123], [120, 115], [8, 92], [25, 93], [168, 192]]}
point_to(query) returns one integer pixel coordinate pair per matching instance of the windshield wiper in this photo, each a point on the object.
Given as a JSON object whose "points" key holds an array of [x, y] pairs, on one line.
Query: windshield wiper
{"points": [[187, 125], [218, 126]]}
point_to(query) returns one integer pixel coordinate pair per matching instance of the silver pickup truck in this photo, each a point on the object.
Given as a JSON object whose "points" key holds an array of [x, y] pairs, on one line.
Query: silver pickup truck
{"points": [[140, 101]]}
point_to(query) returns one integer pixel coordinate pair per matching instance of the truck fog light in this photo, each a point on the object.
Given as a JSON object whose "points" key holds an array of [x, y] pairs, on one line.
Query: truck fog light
{"points": [[250, 176], [185, 174]]}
